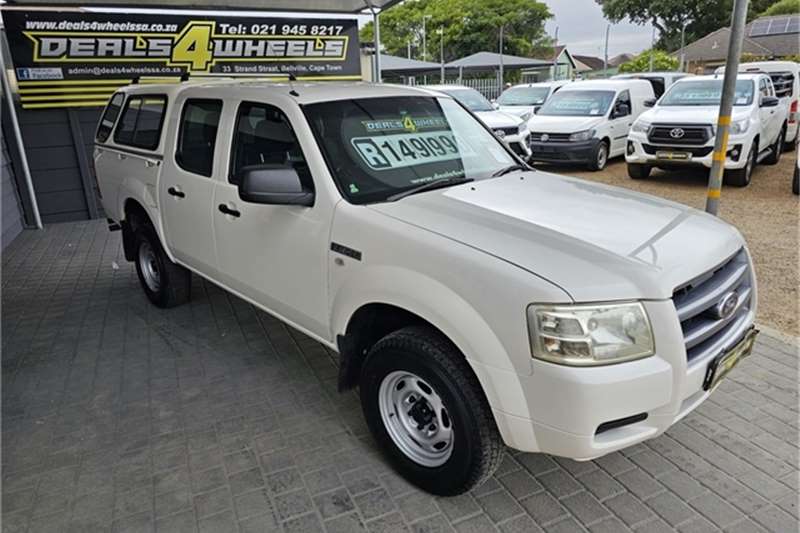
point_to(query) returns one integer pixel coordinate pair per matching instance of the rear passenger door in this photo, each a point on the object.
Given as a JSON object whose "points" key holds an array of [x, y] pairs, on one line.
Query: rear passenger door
{"points": [[186, 188]]}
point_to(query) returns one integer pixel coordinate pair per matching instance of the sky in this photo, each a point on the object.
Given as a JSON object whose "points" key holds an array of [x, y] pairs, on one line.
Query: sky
{"points": [[581, 26]]}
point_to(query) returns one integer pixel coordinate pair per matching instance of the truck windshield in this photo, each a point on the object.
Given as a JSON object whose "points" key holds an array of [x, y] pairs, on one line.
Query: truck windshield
{"points": [[379, 147], [578, 103], [706, 93], [471, 99], [524, 96]]}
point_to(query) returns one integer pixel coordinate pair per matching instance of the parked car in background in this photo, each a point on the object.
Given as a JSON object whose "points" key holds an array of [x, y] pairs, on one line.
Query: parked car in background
{"points": [[659, 80], [680, 129], [785, 77], [511, 129], [473, 301], [525, 99], [587, 122]]}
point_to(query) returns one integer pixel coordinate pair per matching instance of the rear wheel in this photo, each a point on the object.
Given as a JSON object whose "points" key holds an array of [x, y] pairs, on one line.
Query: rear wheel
{"points": [[741, 177], [777, 148], [165, 283], [599, 157], [638, 172], [427, 411]]}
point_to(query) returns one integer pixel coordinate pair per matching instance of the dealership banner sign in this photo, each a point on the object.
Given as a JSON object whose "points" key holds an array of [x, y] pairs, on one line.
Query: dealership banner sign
{"points": [[79, 58]]}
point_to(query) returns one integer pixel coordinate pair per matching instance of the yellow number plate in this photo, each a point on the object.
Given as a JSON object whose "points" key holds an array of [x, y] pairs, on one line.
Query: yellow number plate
{"points": [[724, 363]]}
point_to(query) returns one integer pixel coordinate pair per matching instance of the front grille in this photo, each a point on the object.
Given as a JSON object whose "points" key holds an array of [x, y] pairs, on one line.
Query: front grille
{"points": [[554, 137], [704, 333], [669, 133], [696, 151]]}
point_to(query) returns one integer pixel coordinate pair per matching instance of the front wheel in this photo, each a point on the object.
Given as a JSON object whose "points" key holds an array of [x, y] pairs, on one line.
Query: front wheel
{"points": [[165, 283], [637, 171], [741, 176], [599, 157], [427, 411]]}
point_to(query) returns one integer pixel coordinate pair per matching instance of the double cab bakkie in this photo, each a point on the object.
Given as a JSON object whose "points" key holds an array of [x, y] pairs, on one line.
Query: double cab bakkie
{"points": [[680, 129], [587, 122], [472, 300]]}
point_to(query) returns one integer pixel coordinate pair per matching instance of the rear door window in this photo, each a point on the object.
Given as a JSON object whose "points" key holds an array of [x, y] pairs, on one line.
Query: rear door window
{"points": [[141, 122], [198, 136], [109, 117]]}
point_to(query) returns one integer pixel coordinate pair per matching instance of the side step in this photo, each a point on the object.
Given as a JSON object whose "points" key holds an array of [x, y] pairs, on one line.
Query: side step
{"points": [[113, 225], [763, 155]]}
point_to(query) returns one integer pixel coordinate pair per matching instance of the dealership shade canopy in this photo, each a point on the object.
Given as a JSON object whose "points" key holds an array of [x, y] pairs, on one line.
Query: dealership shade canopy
{"points": [[328, 6], [491, 60], [402, 65]]}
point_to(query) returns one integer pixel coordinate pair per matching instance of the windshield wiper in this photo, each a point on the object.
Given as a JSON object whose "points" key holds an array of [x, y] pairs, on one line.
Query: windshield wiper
{"points": [[428, 186], [510, 168]]}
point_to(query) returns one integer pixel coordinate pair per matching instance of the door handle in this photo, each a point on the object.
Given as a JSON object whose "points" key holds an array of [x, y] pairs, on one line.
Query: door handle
{"points": [[150, 163], [121, 156], [176, 192], [229, 211]]}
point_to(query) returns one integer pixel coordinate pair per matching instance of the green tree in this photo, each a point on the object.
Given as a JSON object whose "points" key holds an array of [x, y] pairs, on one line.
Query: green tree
{"points": [[468, 26], [641, 63], [668, 16], [784, 7]]}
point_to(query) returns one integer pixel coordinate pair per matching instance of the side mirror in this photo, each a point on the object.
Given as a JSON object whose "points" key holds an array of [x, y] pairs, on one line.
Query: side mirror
{"points": [[622, 110], [273, 184], [769, 101], [536, 109], [650, 102]]}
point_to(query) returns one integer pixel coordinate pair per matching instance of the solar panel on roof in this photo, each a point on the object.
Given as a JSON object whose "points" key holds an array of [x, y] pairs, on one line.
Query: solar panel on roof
{"points": [[775, 26]]}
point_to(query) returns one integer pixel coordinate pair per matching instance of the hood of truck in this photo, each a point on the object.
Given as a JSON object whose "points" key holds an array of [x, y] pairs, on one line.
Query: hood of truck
{"points": [[518, 110], [701, 115], [498, 119], [561, 124], [597, 243]]}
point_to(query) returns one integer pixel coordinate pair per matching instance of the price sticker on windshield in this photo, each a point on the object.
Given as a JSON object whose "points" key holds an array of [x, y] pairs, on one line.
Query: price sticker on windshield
{"points": [[385, 152]]}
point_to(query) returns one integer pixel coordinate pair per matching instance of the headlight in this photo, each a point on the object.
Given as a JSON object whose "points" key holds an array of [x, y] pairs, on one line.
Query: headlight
{"points": [[582, 136], [523, 128], [527, 116], [640, 126], [589, 335], [740, 126]]}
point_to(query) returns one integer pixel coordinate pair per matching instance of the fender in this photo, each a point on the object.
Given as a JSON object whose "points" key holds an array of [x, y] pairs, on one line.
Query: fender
{"points": [[444, 309], [146, 196]]}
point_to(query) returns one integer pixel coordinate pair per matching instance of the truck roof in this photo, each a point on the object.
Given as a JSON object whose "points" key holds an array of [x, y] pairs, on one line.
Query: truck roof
{"points": [[609, 85], [307, 93]]}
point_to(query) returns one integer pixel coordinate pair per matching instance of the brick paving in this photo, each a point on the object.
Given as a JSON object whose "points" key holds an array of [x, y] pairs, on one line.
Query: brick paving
{"points": [[118, 416]]}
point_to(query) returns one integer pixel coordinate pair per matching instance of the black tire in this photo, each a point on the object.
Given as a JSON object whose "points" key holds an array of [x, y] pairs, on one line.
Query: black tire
{"points": [[476, 446], [599, 157], [777, 148], [796, 181], [638, 172], [174, 283], [741, 177]]}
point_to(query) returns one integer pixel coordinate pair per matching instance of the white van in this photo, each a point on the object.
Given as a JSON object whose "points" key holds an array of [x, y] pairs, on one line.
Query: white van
{"points": [[659, 80], [524, 99], [587, 121], [786, 80]]}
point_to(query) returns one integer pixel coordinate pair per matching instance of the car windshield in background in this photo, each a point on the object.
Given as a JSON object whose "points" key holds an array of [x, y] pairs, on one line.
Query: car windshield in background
{"points": [[524, 96], [706, 93], [471, 99], [578, 103], [379, 147]]}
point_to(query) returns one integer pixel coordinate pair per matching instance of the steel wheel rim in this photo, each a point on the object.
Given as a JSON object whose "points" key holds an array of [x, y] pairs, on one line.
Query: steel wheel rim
{"points": [[406, 401], [601, 156], [750, 164], [148, 265]]}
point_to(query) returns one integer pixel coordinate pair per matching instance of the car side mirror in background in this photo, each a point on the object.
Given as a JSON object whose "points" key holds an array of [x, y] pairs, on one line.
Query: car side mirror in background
{"points": [[769, 101], [622, 110], [273, 184], [536, 109], [650, 102]]}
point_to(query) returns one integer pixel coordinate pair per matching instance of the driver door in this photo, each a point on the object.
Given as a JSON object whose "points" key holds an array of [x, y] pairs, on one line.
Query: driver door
{"points": [[274, 255], [621, 120]]}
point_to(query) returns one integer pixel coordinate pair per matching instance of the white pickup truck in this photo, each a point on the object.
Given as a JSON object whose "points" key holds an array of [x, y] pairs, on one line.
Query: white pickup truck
{"points": [[679, 130], [472, 300]]}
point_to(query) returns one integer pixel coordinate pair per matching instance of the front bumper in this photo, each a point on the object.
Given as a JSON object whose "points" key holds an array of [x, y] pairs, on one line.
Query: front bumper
{"points": [[519, 144], [641, 151], [564, 152], [568, 405]]}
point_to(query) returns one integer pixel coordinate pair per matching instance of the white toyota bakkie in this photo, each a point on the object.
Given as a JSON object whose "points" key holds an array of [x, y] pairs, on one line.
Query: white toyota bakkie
{"points": [[679, 130], [472, 300]]}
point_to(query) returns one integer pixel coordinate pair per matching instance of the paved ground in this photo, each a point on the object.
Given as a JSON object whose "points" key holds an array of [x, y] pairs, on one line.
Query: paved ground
{"points": [[119, 416]]}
